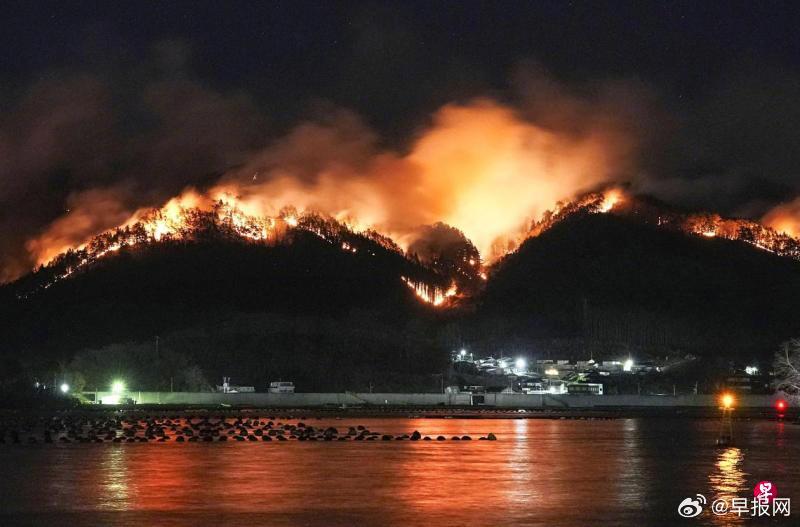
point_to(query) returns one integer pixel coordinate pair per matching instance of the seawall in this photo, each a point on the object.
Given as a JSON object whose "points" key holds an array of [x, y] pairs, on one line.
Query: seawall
{"points": [[496, 400]]}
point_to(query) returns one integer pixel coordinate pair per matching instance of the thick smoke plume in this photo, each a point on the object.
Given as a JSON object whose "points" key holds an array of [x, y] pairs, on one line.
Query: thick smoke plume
{"points": [[785, 218], [74, 164], [478, 166], [80, 152]]}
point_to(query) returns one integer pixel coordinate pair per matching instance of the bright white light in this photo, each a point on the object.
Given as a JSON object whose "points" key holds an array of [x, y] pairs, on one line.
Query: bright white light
{"points": [[64, 388], [628, 365], [463, 352], [520, 364], [751, 370], [117, 387], [551, 371], [111, 399]]}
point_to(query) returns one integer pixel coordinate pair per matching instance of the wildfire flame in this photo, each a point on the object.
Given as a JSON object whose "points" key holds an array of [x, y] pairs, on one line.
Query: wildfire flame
{"points": [[497, 173], [611, 198], [593, 202], [479, 167], [182, 217], [785, 218], [756, 234], [433, 295], [774, 240]]}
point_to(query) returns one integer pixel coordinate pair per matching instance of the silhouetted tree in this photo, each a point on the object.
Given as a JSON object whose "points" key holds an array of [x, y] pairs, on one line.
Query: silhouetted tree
{"points": [[787, 367]]}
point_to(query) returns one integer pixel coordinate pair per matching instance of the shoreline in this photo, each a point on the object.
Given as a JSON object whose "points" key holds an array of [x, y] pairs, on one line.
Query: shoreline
{"points": [[791, 416]]}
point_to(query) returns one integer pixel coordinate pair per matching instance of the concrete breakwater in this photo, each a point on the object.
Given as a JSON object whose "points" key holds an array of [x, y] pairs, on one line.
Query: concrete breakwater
{"points": [[28, 429], [492, 400]]}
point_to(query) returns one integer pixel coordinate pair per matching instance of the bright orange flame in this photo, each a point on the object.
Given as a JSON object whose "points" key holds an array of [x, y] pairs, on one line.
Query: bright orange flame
{"points": [[480, 167], [611, 198], [488, 173], [177, 219], [433, 295], [756, 234], [594, 202], [785, 218]]}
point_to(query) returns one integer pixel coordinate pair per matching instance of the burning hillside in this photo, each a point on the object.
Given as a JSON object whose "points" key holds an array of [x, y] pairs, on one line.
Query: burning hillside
{"points": [[206, 258], [193, 217], [480, 167], [473, 184], [451, 258], [705, 224]]}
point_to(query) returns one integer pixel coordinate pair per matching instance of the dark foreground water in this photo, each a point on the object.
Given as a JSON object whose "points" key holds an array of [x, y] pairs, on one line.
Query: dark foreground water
{"points": [[538, 472]]}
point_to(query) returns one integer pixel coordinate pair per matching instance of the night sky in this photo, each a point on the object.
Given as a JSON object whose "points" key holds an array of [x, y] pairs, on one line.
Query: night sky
{"points": [[152, 96]]}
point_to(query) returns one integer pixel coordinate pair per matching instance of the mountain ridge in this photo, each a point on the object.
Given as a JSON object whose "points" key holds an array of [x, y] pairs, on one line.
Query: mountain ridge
{"points": [[320, 295]]}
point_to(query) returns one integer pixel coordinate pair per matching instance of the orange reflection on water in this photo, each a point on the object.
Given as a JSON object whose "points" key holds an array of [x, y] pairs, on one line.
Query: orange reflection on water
{"points": [[537, 469], [562, 472], [727, 481], [432, 481], [114, 479], [523, 487]]}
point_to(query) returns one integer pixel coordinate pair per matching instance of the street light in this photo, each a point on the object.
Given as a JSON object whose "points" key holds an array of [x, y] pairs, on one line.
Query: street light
{"points": [[727, 401], [627, 365], [725, 437], [520, 364], [64, 388]]}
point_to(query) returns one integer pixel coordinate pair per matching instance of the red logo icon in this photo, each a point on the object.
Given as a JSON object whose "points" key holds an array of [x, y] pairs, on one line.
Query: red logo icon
{"points": [[765, 491]]}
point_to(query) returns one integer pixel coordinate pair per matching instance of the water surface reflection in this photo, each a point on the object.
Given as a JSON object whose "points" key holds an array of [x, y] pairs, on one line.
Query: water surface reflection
{"points": [[114, 479], [539, 472]]}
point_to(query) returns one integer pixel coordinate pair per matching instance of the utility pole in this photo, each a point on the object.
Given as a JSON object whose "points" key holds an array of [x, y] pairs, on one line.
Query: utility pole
{"points": [[585, 326], [725, 437], [441, 380]]}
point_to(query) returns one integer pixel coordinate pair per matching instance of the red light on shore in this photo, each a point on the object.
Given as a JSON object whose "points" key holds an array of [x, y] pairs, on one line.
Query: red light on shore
{"points": [[780, 405]]}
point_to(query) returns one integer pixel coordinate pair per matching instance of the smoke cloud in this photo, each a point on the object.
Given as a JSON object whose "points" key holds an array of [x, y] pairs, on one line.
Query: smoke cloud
{"points": [[478, 166], [785, 218], [83, 154], [79, 152], [90, 211]]}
